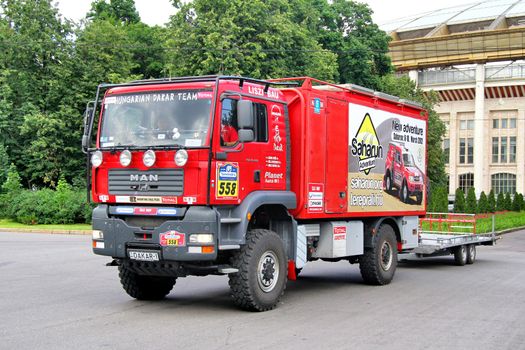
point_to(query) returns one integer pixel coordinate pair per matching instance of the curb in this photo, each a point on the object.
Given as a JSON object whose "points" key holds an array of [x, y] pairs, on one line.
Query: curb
{"points": [[44, 231]]}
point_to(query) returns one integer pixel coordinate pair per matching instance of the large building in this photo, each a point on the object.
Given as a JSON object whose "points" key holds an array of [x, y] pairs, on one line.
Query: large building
{"points": [[470, 55]]}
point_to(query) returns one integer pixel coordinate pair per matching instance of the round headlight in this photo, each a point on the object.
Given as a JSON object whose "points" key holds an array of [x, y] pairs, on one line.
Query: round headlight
{"points": [[149, 158], [181, 157], [96, 159], [125, 158]]}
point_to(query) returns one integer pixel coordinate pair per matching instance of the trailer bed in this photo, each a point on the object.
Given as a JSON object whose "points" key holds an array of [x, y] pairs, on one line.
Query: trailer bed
{"points": [[432, 243]]}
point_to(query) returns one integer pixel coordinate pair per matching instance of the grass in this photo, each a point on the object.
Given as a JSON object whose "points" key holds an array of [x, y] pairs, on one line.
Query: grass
{"points": [[503, 221], [7, 223]]}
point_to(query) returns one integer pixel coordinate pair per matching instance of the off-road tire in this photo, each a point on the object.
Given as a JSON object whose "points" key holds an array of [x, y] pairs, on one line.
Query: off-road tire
{"points": [[246, 285], [471, 254], [145, 287], [460, 255], [403, 192], [375, 269], [419, 198], [388, 182]]}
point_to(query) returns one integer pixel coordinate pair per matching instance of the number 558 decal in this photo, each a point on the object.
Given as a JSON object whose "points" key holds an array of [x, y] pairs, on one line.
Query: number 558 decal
{"points": [[227, 180]]}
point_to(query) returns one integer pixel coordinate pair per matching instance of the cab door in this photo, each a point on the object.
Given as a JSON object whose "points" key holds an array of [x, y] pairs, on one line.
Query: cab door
{"points": [[238, 167], [336, 160]]}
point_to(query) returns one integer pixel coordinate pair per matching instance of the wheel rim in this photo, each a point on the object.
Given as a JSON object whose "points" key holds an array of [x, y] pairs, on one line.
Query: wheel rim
{"points": [[268, 271], [387, 256], [405, 193], [388, 183]]}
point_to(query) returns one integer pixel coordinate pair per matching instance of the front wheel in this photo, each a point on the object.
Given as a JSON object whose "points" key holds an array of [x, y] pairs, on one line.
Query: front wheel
{"points": [[388, 182], [403, 192], [378, 264], [261, 279], [145, 287]]}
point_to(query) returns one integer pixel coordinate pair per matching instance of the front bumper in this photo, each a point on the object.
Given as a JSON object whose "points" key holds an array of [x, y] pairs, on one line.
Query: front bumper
{"points": [[120, 236]]}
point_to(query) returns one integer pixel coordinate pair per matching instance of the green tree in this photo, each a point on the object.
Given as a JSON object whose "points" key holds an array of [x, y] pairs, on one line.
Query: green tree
{"points": [[406, 89], [471, 203], [256, 38], [491, 202], [4, 164], [346, 28], [507, 202], [438, 200], [517, 202], [483, 204], [459, 201], [500, 202], [117, 10]]}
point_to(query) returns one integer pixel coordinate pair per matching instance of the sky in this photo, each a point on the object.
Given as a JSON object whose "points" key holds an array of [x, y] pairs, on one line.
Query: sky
{"points": [[158, 11]]}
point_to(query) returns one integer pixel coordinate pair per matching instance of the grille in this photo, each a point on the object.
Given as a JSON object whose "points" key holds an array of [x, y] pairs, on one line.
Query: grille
{"points": [[152, 182]]}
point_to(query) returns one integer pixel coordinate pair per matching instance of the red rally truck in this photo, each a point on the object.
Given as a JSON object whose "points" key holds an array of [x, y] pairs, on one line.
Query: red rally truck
{"points": [[250, 178]]}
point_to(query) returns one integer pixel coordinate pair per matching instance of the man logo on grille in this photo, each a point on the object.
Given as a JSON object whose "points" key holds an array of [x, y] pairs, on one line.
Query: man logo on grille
{"points": [[144, 178]]}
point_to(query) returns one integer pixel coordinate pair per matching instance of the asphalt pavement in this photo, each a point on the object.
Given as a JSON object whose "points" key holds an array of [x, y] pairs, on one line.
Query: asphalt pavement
{"points": [[56, 294]]}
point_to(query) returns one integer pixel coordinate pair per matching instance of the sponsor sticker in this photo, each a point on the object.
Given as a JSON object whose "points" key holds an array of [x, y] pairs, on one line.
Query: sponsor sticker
{"points": [[315, 198], [205, 95], [227, 180], [169, 200], [145, 211], [172, 239], [339, 233]]}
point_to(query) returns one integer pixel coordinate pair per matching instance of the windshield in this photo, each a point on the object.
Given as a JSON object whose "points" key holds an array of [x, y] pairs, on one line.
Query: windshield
{"points": [[408, 160], [160, 118]]}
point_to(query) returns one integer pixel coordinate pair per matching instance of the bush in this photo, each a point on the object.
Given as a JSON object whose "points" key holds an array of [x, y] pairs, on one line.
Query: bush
{"points": [[491, 202], [459, 201], [500, 202], [517, 203], [439, 200], [61, 206], [472, 203], [483, 204]]}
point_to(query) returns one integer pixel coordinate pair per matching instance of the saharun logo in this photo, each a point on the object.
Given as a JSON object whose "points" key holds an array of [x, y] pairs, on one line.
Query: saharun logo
{"points": [[366, 146]]}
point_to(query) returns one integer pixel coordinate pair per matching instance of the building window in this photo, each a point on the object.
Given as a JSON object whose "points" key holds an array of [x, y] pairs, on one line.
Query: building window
{"points": [[466, 150], [446, 150], [512, 149], [495, 123], [503, 149], [466, 124], [495, 150], [503, 183], [466, 181], [512, 123], [504, 123]]}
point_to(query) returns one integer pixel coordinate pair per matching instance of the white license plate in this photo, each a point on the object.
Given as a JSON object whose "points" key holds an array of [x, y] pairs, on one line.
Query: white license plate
{"points": [[143, 255]]}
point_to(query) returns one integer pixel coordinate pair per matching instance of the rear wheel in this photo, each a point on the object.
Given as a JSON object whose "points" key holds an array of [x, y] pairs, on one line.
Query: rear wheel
{"points": [[145, 287], [261, 279], [471, 254], [419, 198], [378, 264], [460, 255]]}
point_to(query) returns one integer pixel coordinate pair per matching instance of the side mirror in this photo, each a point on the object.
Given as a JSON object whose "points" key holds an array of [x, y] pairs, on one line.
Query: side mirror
{"points": [[245, 114], [85, 142], [246, 135]]}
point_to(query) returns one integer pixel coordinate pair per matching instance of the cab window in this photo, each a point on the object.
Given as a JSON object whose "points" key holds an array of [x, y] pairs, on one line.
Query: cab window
{"points": [[230, 128]]}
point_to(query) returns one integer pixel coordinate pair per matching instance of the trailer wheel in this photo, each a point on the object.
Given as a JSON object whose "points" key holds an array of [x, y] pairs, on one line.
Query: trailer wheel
{"points": [[471, 254], [261, 279], [403, 192], [460, 255], [388, 182], [145, 287], [378, 264]]}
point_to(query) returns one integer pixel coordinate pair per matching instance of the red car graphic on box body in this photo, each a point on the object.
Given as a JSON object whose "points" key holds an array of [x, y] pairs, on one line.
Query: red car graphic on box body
{"points": [[402, 174]]}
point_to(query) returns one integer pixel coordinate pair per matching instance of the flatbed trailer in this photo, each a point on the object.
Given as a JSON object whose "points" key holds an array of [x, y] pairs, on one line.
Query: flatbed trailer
{"points": [[450, 237]]}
